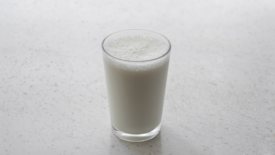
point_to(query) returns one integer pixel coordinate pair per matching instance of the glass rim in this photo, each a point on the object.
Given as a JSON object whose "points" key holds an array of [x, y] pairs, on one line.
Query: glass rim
{"points": [[159, 57]]}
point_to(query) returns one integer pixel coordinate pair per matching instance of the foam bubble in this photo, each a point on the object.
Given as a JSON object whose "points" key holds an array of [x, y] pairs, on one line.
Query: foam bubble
{"points": [[136, 47]]}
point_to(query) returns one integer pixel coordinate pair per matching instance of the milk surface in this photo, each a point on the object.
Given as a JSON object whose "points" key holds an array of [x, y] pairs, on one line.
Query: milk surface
{"points": [[136, 48], [136, 89]]}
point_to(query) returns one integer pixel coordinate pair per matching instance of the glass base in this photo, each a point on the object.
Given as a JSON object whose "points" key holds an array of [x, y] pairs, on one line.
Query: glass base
{"points": [[136, 137]]}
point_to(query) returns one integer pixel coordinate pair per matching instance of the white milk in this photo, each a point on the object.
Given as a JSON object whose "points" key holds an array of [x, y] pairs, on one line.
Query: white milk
{"points": [[136, 89]]}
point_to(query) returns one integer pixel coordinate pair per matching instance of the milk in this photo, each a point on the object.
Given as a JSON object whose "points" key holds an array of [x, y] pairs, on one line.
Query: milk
{"points": [[136, 89]]}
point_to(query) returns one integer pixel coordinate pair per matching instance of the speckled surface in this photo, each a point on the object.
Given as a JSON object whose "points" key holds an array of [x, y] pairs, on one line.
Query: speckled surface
{"points": [[221, 86]]}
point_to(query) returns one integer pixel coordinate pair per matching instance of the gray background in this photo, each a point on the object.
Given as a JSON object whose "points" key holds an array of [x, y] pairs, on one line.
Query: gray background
{"points": [[220, 96]]}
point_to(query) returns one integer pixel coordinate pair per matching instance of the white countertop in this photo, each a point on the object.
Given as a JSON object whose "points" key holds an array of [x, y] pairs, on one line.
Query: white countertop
{"points": [[220, 97]]}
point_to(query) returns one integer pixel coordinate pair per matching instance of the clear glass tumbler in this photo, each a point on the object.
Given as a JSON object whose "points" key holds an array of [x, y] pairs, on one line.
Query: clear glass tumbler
{"points": [[135, 85]]}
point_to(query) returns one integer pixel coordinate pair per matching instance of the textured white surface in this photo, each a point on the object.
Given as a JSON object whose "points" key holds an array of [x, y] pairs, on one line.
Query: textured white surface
{"points": [[220, 95]]}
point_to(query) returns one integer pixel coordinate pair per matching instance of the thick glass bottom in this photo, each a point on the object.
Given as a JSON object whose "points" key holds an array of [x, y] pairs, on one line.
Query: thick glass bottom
{"points": [[136, 137]]}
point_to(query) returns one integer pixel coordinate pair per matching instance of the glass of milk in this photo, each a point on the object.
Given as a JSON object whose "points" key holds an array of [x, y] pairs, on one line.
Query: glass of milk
{"points": [[136, 65]]}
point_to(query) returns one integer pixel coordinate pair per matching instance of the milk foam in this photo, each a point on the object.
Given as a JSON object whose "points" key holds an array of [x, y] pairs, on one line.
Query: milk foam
{"points": [[136, 48]]}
